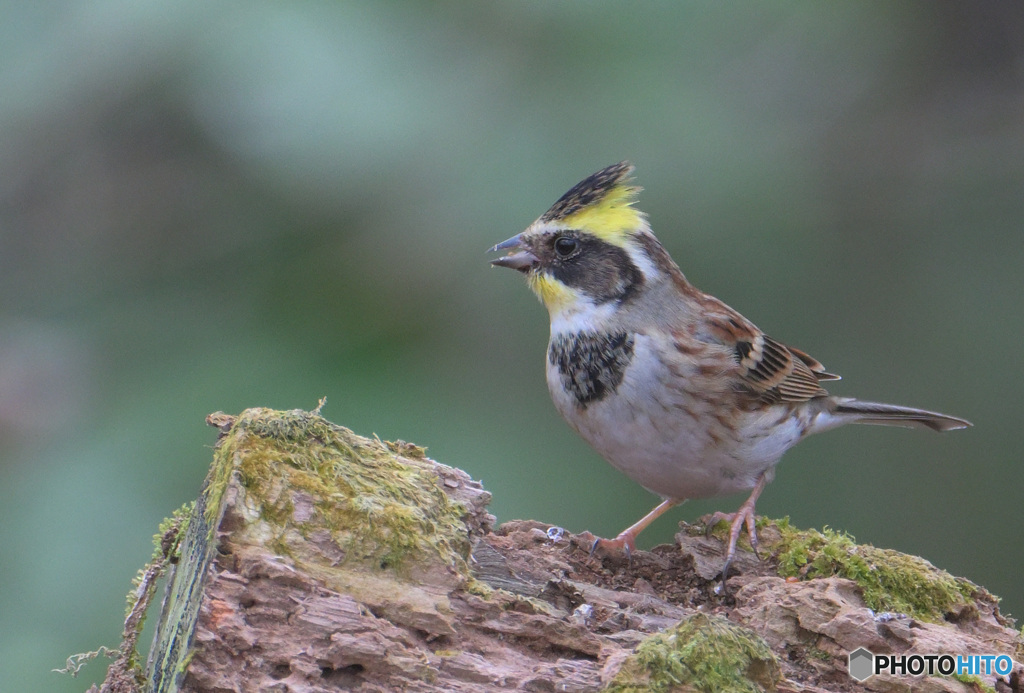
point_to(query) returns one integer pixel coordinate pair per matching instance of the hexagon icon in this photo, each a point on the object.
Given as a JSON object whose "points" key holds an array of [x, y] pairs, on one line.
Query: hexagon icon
{"points": [[861, 664]]}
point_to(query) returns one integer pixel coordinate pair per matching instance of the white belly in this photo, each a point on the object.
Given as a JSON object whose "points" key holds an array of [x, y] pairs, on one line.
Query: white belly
{"points": [[668, 440]]}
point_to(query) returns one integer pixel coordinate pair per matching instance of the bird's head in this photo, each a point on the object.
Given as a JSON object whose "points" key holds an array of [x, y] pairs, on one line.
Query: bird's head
{"points": [[591, 248]]}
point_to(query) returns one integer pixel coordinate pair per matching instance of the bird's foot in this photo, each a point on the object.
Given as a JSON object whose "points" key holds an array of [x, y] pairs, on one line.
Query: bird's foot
{"points": [[744, 516], [625, 542]]}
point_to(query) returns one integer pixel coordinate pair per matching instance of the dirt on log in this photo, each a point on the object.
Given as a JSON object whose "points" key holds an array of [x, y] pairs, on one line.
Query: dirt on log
{"points": [[318, 560]]}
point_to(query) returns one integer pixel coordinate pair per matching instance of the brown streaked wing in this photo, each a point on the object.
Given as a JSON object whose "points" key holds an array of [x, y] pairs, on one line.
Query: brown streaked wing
{"points": [[767, 368], [814, 365], [801, 383]]}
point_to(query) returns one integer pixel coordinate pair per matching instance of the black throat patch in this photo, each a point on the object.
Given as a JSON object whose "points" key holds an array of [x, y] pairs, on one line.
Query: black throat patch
{"points": [[591, 365]]}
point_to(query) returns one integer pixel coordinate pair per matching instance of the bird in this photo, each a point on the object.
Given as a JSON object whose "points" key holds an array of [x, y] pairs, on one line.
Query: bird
{"points": [[670, 385]]}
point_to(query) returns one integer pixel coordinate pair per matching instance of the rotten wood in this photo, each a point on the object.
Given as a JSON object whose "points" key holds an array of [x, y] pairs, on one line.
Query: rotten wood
{"points": [[274, 592]]}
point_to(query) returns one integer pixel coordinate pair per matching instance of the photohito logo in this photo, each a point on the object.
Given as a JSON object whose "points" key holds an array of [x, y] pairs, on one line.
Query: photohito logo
{"points": [[863, 664]]}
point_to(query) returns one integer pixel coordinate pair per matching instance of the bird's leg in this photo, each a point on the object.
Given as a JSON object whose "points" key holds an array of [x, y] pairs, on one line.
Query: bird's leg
{"points": [[744, 515], [627, 538]]}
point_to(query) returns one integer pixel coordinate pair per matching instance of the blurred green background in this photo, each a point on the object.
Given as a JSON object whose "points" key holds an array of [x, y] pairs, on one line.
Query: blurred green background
{"points": [[215, 206]]}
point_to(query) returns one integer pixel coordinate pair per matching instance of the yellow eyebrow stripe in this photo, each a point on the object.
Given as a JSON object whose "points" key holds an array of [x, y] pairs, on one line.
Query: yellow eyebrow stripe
{"points": [[613, 218]]}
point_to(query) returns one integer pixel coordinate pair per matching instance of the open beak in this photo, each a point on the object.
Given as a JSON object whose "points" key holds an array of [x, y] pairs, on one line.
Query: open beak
{"points": [[523, 260]]}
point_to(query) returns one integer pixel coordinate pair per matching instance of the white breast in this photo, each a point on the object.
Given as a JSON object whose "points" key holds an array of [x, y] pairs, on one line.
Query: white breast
{"points": [[667, 438]]}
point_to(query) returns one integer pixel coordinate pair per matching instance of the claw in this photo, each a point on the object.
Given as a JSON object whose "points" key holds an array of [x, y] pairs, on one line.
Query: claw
{"points": [[626, 541], [755, 544], [725, 576], [743, 516]]}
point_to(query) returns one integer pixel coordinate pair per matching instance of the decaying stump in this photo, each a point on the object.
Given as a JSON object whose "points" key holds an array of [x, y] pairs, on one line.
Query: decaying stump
{"points": [[318, 560]]}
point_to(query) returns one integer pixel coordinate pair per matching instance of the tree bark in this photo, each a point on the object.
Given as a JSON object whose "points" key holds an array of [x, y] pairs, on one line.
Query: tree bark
{"points": [[317, 560]]}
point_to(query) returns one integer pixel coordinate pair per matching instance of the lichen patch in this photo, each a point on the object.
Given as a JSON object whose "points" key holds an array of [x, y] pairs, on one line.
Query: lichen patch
{"points": [[302, 474]]}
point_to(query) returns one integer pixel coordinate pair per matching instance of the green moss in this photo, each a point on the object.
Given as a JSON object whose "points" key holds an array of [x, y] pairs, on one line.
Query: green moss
{"points": [[183, 666], [704, 653], [166, 548], [125, 673], [818, 654], [381, 506], [214, 486], [975, 682], [480, 589], [167, 540], [75, 662], [891, 581], [721, 529]]}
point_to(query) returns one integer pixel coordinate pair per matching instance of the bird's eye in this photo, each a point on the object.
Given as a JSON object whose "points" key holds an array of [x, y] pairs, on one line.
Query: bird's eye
{"points": [[566, 246]]}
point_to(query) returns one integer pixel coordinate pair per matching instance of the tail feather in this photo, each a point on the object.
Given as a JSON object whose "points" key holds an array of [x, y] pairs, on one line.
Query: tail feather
{"points": [[893, 415]]}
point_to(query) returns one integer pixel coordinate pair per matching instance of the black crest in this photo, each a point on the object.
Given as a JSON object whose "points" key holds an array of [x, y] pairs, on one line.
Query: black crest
{"points": [[589, 190]]}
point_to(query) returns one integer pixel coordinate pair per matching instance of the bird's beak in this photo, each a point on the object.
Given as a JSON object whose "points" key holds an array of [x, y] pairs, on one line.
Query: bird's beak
{"points": [[523, 260]]}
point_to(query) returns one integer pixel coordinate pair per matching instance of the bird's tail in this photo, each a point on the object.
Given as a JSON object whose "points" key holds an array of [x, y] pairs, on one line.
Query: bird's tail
{"points": [[892, 415]]}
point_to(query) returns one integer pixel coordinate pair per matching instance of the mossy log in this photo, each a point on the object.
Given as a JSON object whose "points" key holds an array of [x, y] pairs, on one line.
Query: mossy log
{"points": [[317, 560]]}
